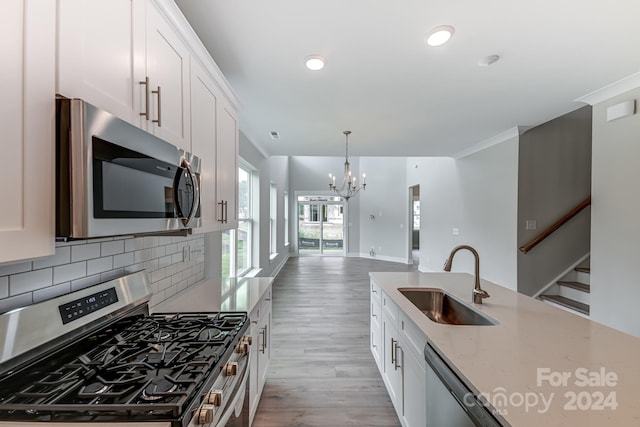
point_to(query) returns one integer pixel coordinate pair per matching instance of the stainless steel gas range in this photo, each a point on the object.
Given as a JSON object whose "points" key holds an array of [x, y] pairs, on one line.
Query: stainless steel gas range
{"points": [[96, 357]]}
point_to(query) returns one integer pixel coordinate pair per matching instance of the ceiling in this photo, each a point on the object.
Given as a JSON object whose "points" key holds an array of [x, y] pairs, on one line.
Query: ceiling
{"points": [[397, 95]]}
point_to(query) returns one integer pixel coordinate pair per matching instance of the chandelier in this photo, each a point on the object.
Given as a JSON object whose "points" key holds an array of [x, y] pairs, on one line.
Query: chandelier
{"points": [[349, 186]]}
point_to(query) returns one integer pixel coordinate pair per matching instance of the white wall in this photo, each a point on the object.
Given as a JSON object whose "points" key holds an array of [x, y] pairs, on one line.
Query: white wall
{"points": [[615, 232], [386, 198], [478, 195]]}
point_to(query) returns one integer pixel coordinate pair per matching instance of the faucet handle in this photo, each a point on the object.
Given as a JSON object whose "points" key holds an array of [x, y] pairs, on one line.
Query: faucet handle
{"points": [[479, 295]]}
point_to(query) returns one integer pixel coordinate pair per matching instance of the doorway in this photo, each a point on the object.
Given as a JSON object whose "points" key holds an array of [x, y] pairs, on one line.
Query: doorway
{"points": [[321, 225], [414, 209]]}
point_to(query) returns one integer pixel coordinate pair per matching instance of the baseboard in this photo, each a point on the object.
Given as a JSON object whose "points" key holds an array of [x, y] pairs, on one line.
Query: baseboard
{"points": [[384, 258], [276, 270]]}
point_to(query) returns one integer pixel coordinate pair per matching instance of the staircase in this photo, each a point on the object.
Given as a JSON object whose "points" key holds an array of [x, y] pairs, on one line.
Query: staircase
{"points": [[571, 292]]}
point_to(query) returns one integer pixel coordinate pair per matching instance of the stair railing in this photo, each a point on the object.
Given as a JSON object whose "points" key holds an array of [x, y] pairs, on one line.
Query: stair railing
{"points": [[553, 227]]}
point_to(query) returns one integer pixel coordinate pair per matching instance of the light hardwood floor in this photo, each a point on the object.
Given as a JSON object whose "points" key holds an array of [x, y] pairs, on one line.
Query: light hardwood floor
{"points": [[322, 372]]}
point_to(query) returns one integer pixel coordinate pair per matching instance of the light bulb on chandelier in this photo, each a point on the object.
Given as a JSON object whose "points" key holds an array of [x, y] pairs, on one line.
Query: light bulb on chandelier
{"points": [[349, 186]]}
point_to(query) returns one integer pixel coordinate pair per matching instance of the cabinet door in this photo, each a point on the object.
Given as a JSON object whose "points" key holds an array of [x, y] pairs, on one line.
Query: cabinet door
{"points": [[204, 99], [264, 352], [227, 167], [414, 388], [168, 71], [101, 52], [254, 398], [392, 366], [27, 46], [376, 332]]}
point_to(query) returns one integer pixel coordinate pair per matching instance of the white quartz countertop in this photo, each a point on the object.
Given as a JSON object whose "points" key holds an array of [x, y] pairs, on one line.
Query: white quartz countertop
{"points": [[554, 368], [230, 294]]}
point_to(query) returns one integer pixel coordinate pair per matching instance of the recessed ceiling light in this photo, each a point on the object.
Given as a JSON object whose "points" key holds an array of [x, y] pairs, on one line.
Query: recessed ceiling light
{"points": [[314, 62], [439, 35], [274, 134]]}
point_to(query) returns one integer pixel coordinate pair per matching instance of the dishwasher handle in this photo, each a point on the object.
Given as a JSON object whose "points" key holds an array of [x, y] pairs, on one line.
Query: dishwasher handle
{"points": [[475, 409]]}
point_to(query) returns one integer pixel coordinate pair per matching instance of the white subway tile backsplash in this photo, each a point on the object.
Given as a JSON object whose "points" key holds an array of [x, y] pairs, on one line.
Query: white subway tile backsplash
{"points": [[30, 281], [99, 265], [51, 292], [123, 260], [79, 264], [143, 255], [150, 242], [68, 272], [7, 270], [112, 248], [62, 256], [84, 252], [85, 282], [4, 287], [135, 244]]}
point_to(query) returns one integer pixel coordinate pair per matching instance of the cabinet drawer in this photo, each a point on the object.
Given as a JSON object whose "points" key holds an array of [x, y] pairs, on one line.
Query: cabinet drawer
{"points": [[389, 308], [412, 337], [375, 291]]}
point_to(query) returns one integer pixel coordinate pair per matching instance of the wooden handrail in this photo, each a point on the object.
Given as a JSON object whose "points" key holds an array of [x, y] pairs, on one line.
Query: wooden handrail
{"points": [[546, 233]]}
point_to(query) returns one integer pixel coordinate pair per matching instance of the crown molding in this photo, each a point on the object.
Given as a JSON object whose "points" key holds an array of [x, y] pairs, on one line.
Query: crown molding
{"points": [[609, 91], [489, 142]]}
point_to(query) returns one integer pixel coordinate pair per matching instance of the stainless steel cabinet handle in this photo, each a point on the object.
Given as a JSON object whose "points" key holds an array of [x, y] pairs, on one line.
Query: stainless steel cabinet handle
{"points": [[393, 351], [226, 211], [263, 332], [146, 98], [396, 364], [159, 119], [221, 219]]}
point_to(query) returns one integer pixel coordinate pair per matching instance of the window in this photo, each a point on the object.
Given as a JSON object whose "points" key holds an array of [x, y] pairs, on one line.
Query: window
{"points": [[237, 244], [286, 218], [273, 220]]}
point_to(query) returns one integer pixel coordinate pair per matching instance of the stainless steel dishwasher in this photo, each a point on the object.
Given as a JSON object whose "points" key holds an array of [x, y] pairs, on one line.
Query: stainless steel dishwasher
{"points": [[449, 402]]}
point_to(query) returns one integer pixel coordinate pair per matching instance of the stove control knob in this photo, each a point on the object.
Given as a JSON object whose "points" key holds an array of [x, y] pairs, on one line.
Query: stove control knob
{"points": [[246, 339], [214, 397], [242, 348], [205, 414], [230, 369]]}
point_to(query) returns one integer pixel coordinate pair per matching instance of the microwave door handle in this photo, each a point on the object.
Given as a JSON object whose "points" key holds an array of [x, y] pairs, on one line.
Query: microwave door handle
{"points": [[196, 194]]}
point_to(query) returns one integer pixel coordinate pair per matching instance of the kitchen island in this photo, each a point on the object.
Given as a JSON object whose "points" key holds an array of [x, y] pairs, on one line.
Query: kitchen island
{"points": [[538, 366]]}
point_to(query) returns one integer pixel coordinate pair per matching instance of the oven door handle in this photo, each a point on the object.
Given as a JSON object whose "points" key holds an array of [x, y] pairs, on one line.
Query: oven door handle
{"points": [[184, 164], [238, 396]]}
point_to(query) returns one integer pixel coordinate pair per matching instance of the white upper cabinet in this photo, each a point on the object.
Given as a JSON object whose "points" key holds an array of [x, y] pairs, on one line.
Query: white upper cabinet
{"points": [[123, 57], [168, 72], [27, 46], [101, 55], [227, 166], [204, 101]]}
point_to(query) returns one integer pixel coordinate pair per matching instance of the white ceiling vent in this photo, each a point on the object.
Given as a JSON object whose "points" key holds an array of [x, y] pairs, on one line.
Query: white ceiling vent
{"points": [[274, 135]]}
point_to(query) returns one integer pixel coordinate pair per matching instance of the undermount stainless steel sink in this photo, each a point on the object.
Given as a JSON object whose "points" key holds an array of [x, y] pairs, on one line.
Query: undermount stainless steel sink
{"points": [[440, 307]]}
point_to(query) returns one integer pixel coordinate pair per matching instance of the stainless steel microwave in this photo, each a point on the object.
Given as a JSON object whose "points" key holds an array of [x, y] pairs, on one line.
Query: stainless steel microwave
{"points": [[113, 178]]}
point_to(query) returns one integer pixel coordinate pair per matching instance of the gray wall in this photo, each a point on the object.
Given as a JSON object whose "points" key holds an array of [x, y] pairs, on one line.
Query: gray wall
{"points": [[554, 177], [615, 233], [387, 199], [477, 195], [276, 170]]}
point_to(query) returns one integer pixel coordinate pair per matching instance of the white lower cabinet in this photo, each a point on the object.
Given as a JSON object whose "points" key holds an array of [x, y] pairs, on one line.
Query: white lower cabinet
{"points": [[260, 351], [376, 325], [402, 367]]}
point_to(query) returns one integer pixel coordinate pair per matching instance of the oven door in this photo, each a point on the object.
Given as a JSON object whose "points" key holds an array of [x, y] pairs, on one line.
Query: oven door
{"points": [[227, 402]]}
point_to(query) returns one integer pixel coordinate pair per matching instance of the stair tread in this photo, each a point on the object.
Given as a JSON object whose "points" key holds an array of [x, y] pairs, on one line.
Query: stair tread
{"points": [[576, 285], [567, 302], [584, 269]]}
